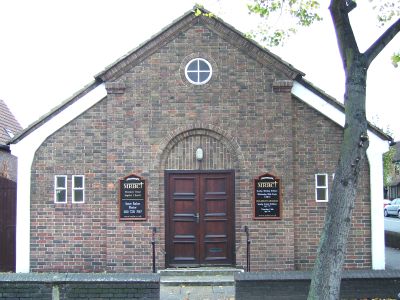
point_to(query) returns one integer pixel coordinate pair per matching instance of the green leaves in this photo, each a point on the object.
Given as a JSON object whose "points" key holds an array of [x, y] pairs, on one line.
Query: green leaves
{"points": [[387, 10], [388, 166], [282, 18], [396, 59], [199, 12]]}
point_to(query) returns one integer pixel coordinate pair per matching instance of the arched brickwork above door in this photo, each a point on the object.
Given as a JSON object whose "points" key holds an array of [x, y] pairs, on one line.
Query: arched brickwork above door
{"points": [[179, 151]]}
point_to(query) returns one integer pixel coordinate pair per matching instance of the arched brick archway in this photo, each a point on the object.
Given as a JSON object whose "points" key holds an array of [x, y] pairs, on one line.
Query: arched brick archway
{"points": [[222, 158]]}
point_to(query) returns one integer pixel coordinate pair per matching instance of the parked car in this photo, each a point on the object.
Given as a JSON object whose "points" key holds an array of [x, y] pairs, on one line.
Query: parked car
{"points": [[386, 202], [393, 208]]}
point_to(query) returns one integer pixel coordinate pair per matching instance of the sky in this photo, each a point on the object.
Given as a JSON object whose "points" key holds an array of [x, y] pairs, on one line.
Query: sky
{"points": [[49, 49]]}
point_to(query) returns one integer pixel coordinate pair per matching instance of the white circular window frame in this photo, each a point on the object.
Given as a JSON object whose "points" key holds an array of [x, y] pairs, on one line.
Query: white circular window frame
{"points": [[204, 81]]}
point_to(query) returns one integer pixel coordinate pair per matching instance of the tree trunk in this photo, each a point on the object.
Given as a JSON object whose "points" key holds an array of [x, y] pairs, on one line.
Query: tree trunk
{"points": [[327, 273]]}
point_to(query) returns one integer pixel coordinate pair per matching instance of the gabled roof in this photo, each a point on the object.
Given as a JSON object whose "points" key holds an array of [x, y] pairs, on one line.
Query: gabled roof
{"points": [[226, 31], [9, 126]]}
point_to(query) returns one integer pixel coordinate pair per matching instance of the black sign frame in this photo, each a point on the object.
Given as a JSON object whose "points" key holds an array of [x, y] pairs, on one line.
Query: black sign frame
{"points": [[132, 198], [267, 200]]}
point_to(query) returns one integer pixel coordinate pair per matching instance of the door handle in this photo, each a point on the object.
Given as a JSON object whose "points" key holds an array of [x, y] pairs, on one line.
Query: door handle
{"points": [[197, 216]]}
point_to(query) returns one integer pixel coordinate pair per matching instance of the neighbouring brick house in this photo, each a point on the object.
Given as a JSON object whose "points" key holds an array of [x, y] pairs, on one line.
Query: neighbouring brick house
{"points": [[9, 127], [186, 125]]}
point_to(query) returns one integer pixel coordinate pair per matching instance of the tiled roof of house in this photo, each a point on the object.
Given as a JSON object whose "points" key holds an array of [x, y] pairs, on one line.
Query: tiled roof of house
{"points": [[9, 126]]}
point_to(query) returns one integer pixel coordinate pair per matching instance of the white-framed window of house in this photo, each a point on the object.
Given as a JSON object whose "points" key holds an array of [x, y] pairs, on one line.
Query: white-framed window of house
{"points": [[60, 189], [321, 187], [78, 189]]}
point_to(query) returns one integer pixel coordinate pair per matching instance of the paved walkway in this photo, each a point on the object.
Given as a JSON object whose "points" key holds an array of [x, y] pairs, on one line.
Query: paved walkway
{"points": [[392, 256]]}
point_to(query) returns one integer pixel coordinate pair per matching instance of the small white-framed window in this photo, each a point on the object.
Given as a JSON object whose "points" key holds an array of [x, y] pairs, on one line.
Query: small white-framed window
{"points": [[198, 71], [60, 189], [321, 187], [78, 189]]}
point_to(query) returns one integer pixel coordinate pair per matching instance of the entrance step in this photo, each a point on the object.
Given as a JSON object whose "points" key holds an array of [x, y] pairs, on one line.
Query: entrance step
{"points": [[198, 276]]}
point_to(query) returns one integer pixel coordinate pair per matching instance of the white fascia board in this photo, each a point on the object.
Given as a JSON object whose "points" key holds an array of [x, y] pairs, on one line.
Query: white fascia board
{"points": [[374, 153], [377, 146], [25, 151], [317, 102]]}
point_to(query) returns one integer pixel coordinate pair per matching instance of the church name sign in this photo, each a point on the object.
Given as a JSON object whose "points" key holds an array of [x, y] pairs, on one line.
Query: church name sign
{"points": [[267, 197], [132, 198]]}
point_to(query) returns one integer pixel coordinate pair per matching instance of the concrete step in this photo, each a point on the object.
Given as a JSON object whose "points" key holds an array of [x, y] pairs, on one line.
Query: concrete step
{"points": [[199, 280], [198, 276], [206, 271]]}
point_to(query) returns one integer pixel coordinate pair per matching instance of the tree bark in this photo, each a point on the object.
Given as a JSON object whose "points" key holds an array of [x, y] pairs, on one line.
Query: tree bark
{"points": [[327, 274]]}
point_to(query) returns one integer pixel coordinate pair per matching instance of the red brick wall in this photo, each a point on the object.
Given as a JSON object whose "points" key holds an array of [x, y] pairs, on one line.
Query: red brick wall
{"points": [[148, 123], [71, 237], [317, 145]]}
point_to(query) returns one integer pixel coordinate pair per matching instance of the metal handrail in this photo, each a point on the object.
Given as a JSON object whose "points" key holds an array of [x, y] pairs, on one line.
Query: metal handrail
{"points": [[153, 245], [246, 229]]}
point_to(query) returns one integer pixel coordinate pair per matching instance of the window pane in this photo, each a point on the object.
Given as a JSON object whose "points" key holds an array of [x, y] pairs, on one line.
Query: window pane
{"points": [[204, 76], [78, 195], [61, 196], [194, 76], [321, 180], [78, 181], [192, 66], [321, 194], [60, 182], [203, 66]]}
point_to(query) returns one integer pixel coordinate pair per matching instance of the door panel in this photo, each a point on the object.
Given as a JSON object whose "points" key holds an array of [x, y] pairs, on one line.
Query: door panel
{"points": [[183, 207], [216, 210], [200, 218]]}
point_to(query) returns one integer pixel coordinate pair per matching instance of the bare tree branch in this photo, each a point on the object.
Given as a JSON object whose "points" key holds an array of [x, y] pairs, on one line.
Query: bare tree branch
{"points": [[381, 42], [348, 47]]}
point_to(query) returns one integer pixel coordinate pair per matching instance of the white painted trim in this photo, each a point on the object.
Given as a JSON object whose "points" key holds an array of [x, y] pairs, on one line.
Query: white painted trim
{"points": [[320, 104], [25, 151], [377, 147], [374, 153]]}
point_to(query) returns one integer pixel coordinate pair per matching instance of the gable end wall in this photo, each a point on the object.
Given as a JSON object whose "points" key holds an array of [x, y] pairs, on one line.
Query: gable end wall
{"points": [[241, 112]]}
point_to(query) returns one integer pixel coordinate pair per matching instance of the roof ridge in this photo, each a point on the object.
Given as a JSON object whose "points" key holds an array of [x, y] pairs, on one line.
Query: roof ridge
{"points": [[117, 68]]}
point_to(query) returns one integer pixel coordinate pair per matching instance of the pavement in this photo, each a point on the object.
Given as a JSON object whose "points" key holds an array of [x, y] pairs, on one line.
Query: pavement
{"points": [[226, 291], [392, 256]]}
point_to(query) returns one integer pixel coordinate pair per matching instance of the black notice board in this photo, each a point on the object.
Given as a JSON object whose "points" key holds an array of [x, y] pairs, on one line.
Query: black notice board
{"points": [[267, 197], [132, 198]]}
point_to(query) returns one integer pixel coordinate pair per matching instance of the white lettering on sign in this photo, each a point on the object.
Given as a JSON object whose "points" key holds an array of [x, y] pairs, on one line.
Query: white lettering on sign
{"points": [[133, 185]]}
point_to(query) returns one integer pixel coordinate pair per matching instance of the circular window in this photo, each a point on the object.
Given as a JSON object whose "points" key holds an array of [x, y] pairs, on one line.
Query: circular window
{"points": [[198, 71]]}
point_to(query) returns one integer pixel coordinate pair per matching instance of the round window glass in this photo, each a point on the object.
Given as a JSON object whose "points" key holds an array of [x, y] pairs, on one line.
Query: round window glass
{"points": [[198, 71]]}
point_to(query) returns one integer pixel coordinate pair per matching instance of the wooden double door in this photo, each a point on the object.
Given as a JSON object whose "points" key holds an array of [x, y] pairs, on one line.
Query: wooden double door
{"points": [[200, 218]]}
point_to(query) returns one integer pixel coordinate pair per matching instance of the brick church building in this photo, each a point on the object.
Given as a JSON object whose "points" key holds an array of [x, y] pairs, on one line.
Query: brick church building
{"points": [[192, 137]]}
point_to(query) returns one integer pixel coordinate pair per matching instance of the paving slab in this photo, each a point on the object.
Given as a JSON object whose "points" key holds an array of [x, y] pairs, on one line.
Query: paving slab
{"points": [[197, 292]]}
